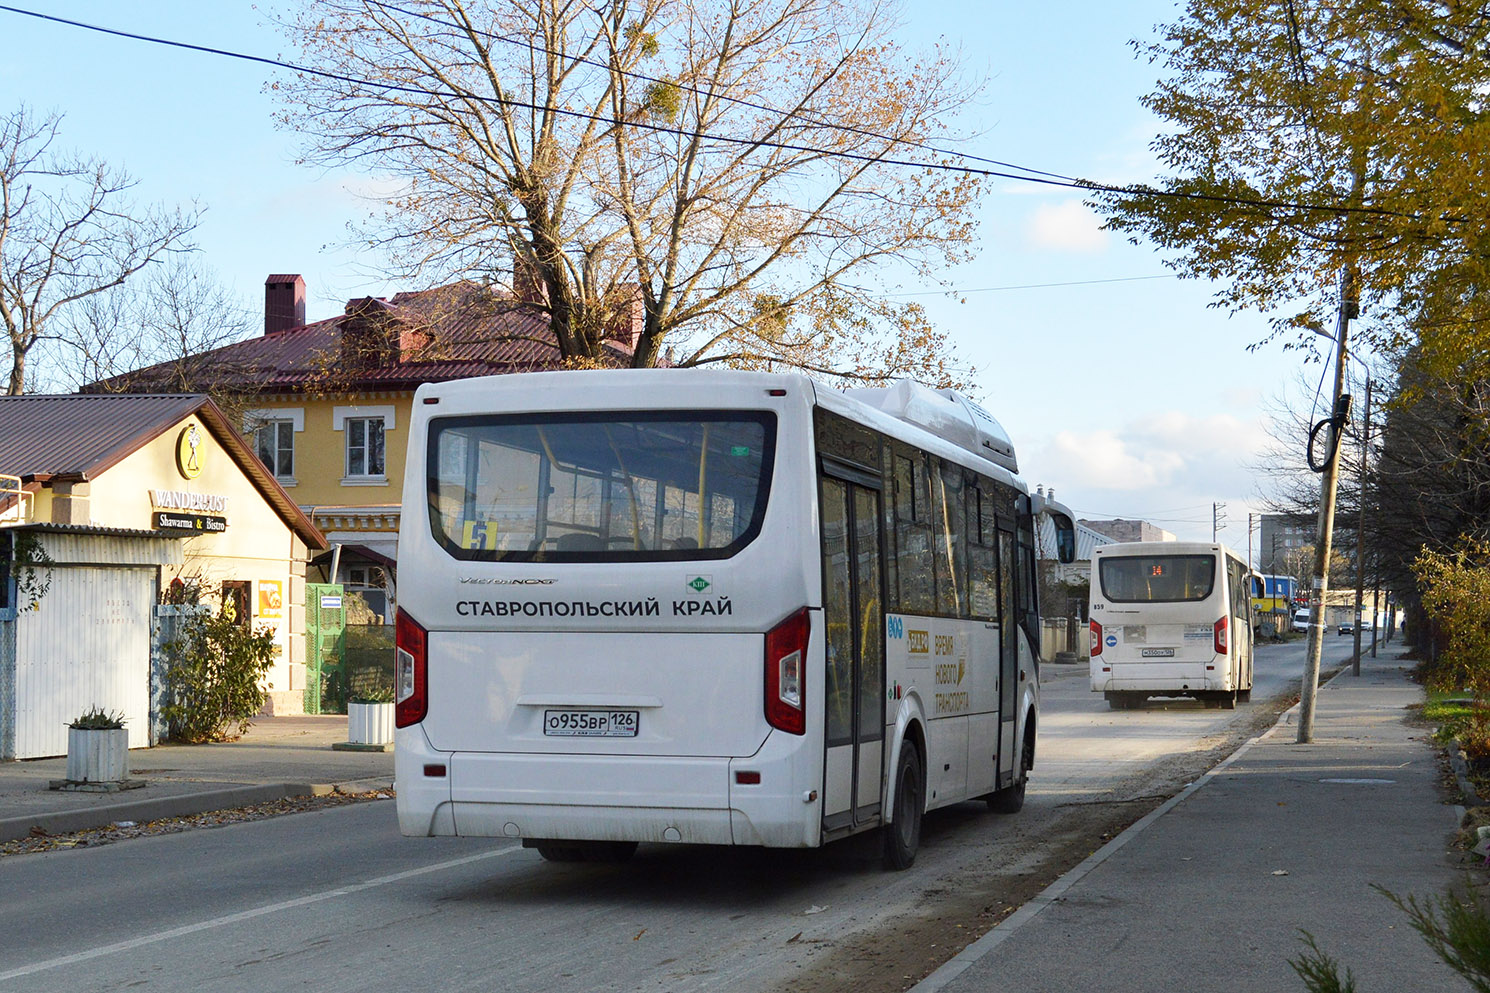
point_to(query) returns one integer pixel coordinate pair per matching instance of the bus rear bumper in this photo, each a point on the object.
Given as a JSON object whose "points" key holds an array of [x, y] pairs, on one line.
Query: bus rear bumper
{"points": [[1148, 678], [603, 798]]}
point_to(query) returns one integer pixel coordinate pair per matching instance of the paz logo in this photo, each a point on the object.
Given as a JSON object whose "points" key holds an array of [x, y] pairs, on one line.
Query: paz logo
{"points": [[699, 583]]}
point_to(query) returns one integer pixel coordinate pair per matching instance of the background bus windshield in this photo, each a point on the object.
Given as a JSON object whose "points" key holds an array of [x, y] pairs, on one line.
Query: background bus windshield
{"points": [[1158, 578], [599, 487]]}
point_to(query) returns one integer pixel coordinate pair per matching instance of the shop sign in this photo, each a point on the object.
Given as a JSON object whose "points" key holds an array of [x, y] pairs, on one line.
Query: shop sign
{"points": [[209, 503], [166, 520]]}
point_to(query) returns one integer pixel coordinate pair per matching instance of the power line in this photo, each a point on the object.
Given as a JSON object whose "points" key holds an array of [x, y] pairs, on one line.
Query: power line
{"points": [[1031, 286], [815, 120], [1135, 190]]}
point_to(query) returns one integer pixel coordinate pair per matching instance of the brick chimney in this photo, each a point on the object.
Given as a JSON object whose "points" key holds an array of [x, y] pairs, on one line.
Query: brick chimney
{"points": [[375, 333], [627, 315], [284, 303], [527, 285]]}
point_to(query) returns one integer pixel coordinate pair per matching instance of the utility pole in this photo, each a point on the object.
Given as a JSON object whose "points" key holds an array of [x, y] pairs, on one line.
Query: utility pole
{"points": [[1218, 518], [1249, 542], [1325, 532], [1360, 538]]}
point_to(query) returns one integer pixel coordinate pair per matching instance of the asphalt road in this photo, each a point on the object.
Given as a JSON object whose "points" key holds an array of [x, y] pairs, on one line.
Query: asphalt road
{"points": [[335, 900]]}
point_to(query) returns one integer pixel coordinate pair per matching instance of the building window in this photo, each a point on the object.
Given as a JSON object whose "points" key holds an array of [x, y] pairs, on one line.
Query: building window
{"points": [[236, 602], [274, 441], [364, 446]]}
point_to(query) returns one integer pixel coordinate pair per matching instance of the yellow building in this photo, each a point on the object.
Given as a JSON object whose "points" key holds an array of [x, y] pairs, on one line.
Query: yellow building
{"points": [[326, 404]]}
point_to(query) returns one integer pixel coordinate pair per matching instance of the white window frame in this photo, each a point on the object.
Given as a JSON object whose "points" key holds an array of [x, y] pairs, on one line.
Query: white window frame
{"points": [[254, 420], [363, 412]]}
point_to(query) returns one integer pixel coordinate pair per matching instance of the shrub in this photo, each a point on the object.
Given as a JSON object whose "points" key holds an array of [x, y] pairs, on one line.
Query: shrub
{"points": [[375, 694], [215, 670], [98, 719], [1456, 594], [1458, 931]]}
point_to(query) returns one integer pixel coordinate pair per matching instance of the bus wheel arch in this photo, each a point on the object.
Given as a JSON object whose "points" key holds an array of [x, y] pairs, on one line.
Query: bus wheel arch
{"points": [[1010, 799], [901, 833]]}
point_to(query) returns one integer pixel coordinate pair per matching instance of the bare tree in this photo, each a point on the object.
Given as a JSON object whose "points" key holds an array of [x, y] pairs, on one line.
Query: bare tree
{"points": [[152, 334], [68, 232], [740, 167]]}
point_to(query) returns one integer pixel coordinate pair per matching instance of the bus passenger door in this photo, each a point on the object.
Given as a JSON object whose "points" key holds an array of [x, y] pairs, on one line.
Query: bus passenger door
{"points": [[854, 677]]}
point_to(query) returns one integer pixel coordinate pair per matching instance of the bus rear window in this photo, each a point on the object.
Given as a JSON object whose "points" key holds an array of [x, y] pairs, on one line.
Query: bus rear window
{"points": [[1157, 578], [601, 487]]}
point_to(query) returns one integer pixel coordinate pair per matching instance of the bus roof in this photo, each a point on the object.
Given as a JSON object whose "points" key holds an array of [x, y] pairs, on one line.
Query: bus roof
{"points": [[1130, 548], [941, 422]]}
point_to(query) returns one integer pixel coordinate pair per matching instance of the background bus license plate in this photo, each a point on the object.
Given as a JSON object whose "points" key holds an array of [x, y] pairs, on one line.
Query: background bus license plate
{"points": [[591, 723], [1158, 653]]}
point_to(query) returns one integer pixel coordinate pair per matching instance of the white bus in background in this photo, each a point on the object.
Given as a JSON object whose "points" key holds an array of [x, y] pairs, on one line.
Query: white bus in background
{"points": [[1171, 619], [710, 607]]}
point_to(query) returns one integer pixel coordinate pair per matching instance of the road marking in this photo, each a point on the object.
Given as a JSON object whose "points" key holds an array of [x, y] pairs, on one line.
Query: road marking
{"points": [[247, 915]]}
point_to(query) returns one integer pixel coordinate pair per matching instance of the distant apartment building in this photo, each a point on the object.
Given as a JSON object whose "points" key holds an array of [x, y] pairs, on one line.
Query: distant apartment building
{"points": [[1120, 530], [1279, 535]]}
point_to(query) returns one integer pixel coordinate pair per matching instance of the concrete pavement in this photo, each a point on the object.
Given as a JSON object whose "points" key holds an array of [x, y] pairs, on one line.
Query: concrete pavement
{"points": [[278, 757], [1212, 890]]}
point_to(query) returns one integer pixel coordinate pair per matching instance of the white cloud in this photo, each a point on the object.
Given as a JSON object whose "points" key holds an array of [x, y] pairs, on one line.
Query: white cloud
{"points": [[1105, 460], [1167, 467], [1067, 226]]}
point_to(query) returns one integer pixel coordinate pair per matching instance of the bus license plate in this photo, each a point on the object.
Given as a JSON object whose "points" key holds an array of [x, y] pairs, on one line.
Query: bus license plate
{"points": [[1158, 653], [591, 723]]}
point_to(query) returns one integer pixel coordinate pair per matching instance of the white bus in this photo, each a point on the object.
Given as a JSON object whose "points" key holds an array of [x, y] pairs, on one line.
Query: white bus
{"points": [[1170, 619], [710, 607]]}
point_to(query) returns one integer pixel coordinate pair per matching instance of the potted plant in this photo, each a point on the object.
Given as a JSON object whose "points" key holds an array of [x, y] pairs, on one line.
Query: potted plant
{"points": [[370, 717], [97, 747]]}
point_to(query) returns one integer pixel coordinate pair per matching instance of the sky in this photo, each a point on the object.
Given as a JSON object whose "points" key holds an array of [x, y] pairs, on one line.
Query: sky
{"points": [[1124, 392]]}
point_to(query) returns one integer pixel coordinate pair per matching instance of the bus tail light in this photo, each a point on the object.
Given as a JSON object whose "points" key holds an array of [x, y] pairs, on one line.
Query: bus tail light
{"points": [[410, 671], [786, 661], [1220, 630], [1096, 646]]}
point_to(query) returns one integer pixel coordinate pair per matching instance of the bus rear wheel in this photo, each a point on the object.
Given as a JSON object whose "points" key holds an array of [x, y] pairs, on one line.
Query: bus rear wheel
{"points": [[1010, 799], [902, 836]]}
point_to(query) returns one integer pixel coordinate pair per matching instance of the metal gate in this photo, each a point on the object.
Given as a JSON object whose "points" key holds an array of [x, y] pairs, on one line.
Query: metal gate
{"points": [[85, 646], [325, 649]]}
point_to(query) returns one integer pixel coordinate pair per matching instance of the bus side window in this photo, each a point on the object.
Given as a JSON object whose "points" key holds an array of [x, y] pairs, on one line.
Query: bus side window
{"points": [[1026, 590], [913, 535], [948, 530], [888, 530], [982, 557]]}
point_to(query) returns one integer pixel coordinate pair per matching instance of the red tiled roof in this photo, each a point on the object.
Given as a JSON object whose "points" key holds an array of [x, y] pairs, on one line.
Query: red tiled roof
{"points": [[449, 332]]}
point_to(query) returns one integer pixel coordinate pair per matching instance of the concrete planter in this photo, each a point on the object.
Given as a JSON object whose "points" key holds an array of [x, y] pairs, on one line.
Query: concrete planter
{"points": [[97, 756], [370, 723]]}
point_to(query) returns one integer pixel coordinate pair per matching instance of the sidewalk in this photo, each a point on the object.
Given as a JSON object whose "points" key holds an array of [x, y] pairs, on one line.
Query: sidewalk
{"points": [[278, 757], [1211, 891]]}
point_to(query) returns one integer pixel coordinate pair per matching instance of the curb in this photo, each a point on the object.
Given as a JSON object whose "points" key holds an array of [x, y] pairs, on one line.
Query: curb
{"points": [[1461, 775], [184, 805]]}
